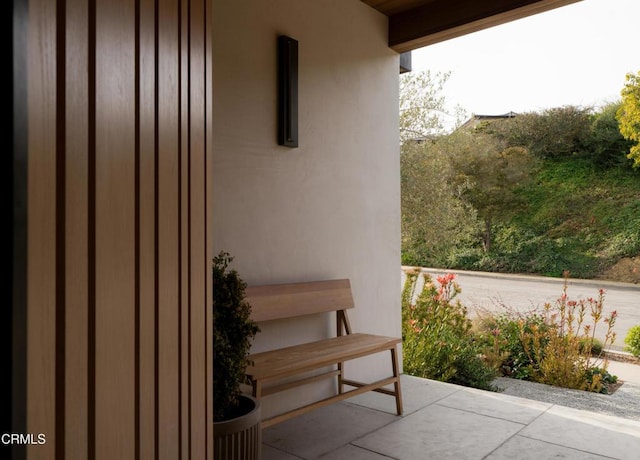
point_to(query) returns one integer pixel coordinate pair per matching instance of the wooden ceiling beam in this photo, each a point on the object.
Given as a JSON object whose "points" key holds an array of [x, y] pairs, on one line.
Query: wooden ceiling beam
{"points": [[445, 19]]}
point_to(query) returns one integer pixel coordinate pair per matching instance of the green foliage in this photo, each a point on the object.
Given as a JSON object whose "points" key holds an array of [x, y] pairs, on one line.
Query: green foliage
{"points": [[493, 175], [629, 115], [556, 346], [424, 113], [233, 330], [605, 146], [539, 193], [437, 342], [553, 133], [575, 217], [501, 335], [436, 222], [632, 340]]}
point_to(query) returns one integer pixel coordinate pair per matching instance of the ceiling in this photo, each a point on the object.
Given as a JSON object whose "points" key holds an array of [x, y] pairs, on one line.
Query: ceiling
{"points": [[417, 23]]}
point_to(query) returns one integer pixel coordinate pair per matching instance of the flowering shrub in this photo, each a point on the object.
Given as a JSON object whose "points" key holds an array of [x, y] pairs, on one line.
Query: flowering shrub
{"points": [[558, 355], [436, 332], [555, 346], [503, 346]]}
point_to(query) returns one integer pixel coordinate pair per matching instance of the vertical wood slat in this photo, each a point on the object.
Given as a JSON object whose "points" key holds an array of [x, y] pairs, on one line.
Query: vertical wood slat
{"points": [[115, 230], [76, 235], [41, 226], [168, 230], [197, 244], [147, 248], [133, 278], [184, 230], [208, 224]]}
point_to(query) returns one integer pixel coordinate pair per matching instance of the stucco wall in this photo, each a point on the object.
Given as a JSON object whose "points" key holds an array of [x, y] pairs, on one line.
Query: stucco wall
{"points": [[330, 208]]}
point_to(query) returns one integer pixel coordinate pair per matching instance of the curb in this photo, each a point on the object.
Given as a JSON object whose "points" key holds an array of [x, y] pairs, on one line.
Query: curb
{"points": [[571, 281]]}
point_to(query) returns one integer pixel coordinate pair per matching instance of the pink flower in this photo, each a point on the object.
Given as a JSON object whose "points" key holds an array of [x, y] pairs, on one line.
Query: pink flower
{"points": [[446, 279], [413, 323]]}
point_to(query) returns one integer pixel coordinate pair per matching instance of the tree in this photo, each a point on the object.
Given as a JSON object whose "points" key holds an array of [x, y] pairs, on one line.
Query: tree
{"points": [[436, 221], [423, 113], [629, 116], [493, 174], [606, 146], [553, 133]]}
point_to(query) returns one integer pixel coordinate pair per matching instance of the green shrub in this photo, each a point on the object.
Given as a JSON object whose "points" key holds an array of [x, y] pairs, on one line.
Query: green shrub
{"points": [[633, 340], [232, 333], [502, 337], [602, 377], [436, 332], [591, 345], [605, 145], [555, 346]]}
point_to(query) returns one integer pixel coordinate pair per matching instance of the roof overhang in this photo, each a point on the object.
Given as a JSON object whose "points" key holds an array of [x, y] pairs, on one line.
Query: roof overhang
{"points": [[417, 23]]}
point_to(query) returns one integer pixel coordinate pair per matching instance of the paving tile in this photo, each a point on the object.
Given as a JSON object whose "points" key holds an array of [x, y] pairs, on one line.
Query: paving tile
{"points": [[496, 405], [441, 433], [599, 434], [417, 393], [353, 453], [324, 430], [271, 453], [522, 448]]}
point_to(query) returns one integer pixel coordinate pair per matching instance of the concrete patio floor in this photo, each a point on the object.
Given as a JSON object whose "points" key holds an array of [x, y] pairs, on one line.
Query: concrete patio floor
{"points": [[445, 421]]}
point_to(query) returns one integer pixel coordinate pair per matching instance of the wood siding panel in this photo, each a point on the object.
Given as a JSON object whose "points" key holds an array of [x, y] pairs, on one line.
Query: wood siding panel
{"points": [[199, 262], [118, 249], [147, 230], [168, 231], [185, 316], [208, 223], [41, 227], [76, 231], [115, 230]]}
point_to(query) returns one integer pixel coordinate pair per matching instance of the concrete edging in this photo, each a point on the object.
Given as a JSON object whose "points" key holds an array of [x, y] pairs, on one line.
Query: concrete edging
{"points": [[594, 283]]}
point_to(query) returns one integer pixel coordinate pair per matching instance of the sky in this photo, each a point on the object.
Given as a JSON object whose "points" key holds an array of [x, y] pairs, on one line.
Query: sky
{"points": [[577, 54]]}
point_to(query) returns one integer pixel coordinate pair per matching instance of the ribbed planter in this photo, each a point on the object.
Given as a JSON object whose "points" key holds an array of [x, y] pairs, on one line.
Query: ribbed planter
{"points": [[239, 438]]}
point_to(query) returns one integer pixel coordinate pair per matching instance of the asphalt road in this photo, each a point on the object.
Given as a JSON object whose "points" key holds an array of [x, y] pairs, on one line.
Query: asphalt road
{"points": [[495, 291]]}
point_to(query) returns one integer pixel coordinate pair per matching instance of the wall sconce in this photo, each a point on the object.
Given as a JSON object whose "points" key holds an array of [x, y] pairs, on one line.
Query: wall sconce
{"points": [[287, 91]]}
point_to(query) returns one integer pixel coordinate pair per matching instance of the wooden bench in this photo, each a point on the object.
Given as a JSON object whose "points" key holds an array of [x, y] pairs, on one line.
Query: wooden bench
{"points": [[272, 371]]}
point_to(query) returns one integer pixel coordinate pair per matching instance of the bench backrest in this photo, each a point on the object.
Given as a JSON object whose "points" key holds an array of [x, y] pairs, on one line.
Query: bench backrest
{"points": [[277, 301]]}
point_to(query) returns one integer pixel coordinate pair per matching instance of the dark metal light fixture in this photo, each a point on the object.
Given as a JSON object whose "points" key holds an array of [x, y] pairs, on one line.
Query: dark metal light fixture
{"points": [[287, 91]]}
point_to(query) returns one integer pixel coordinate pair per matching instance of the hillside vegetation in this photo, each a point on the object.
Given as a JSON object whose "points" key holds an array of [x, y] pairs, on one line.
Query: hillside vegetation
{"points": [[542, 193], [575, 217]]}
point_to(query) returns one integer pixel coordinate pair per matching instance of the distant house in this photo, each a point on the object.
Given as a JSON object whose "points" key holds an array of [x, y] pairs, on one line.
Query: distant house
{"points": [[475, 120], [423, 139]]}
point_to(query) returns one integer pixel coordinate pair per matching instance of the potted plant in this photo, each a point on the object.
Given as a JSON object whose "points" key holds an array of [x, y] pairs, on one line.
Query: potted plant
{"points": [[237, 430]]}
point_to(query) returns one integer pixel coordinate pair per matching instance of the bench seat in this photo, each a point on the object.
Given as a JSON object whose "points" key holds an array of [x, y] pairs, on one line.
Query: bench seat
{"points": [[285, 362], [284, 368]]}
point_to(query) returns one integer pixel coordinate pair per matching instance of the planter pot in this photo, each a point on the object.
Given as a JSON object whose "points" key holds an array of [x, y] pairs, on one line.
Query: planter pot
{"points": [[239, 438]]}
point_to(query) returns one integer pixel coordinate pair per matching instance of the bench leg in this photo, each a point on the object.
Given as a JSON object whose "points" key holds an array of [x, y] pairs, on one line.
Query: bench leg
{"points": [[340, 378], [396, 384], [257, 389]]}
